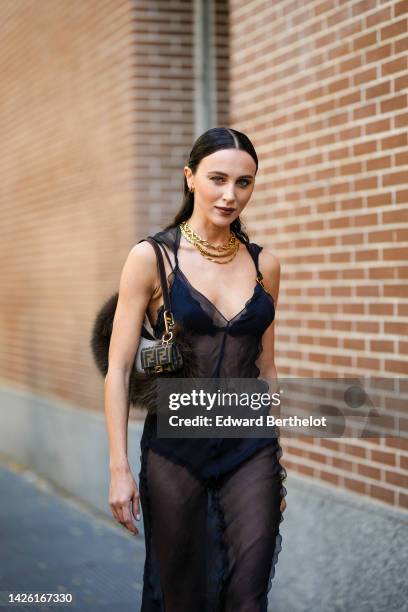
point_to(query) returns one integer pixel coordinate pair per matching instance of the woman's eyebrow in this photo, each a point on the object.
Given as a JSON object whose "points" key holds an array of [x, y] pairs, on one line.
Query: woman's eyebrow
{"points": [[224, 174]]}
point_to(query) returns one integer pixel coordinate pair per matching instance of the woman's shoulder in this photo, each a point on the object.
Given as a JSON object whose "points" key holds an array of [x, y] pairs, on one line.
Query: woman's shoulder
{"points": [[141, 257], [267, 258]]}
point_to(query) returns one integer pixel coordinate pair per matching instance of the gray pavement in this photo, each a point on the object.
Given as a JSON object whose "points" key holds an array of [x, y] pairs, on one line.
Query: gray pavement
{"points": [[52, 543]]}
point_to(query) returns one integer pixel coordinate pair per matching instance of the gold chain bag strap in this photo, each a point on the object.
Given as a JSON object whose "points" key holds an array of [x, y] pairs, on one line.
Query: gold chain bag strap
{"points": [[163, 355]]}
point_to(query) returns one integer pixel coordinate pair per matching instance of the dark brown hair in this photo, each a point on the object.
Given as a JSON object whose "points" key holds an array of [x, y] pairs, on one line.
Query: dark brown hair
{"points": [[209, 142]]}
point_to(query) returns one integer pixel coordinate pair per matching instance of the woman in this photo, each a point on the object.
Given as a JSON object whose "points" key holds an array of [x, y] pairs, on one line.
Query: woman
{"points": [[211, 507]]}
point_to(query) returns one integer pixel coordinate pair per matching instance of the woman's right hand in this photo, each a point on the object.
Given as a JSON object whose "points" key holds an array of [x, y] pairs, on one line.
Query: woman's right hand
{"points": [[124, 498]]}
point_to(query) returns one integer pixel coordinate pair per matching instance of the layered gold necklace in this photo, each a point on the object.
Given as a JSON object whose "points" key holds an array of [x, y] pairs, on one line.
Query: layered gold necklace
{"points": [[218, 253]]}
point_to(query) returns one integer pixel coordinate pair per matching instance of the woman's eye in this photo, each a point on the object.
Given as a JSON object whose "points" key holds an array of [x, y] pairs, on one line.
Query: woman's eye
{"points": [[220, 178]]}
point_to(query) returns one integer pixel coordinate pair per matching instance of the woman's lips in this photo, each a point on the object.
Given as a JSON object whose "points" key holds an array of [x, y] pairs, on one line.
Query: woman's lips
{"points": [[225, 211]]}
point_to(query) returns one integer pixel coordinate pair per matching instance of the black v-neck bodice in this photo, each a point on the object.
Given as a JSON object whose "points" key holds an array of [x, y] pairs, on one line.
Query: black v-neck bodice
{"points": [[225, 347]]}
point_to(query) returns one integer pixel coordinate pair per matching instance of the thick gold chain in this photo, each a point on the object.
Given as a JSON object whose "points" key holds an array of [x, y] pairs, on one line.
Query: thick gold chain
{"points": [[228, 250], [196, 239]]}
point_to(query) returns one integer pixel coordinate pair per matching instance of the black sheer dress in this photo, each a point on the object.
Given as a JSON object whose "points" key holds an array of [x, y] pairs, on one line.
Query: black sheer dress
{"points": [[211, 506]]}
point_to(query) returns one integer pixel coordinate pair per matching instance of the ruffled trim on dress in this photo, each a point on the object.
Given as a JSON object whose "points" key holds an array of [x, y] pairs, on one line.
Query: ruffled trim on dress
{"points": [[283, 492], [220, 529]]}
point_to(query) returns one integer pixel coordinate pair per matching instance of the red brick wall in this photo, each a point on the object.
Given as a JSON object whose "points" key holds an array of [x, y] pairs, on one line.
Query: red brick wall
{"points": [[222, 59], [321, 89], [67, 170], [164, 92]]}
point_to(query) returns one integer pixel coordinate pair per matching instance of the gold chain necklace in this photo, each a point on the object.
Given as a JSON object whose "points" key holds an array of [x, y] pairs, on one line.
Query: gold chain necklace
{"points": [[227, 250]]}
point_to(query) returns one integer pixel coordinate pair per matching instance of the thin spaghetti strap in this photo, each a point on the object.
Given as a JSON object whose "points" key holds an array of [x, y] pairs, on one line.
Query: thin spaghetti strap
{"points": [[167, 255], [254, 250], [176, 245]]}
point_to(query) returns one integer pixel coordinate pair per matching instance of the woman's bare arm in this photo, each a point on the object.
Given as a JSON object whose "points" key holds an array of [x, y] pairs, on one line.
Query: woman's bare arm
{"points": [[137, 284]]}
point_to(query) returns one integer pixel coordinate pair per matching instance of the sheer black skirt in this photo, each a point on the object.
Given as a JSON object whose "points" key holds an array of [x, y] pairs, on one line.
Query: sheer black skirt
{"points": [[212, 544]]}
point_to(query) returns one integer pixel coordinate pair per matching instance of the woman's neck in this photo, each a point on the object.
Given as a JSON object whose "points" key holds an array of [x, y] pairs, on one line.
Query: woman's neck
{"points": [[207, 230]]}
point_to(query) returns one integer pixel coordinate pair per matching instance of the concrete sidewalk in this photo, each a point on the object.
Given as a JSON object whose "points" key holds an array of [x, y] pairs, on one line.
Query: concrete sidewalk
{"points": [[54, 544]]}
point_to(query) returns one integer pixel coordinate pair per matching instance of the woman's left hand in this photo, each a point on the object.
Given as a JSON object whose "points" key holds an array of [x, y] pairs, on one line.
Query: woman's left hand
{"points": [[283, 505]]}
